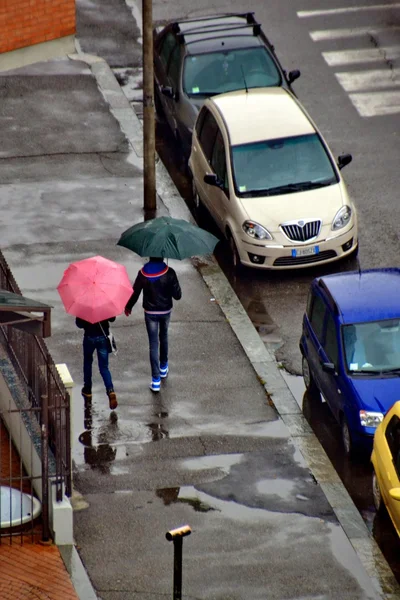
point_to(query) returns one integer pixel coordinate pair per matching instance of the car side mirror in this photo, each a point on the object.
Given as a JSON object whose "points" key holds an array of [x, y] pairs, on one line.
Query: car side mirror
{"points": [[212, 179], [395, 493], [168, 92], [293, 75], [328, 367], [343, 160]]}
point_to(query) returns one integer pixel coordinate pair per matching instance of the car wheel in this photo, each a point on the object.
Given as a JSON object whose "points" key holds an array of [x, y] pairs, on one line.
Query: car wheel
{"points": [[309, 382], [183, 160], [351, 261], [235, 258], [376, 493], [346, 437], [198, 208], [160, 114]]}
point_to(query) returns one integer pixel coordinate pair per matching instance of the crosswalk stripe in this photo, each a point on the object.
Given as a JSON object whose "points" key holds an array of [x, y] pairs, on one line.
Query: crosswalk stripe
{"points": [[345, 9], [356, 81], [323, 35], [347, 57], [373, 88], [372, 104]]}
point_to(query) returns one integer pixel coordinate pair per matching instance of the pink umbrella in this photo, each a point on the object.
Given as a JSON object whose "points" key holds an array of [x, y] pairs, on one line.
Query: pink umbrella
{"points": [[95, 289]]}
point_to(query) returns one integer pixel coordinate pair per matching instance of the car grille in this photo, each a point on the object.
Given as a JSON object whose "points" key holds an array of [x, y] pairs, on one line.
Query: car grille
{"points": [[292, 261], [301, 231]]}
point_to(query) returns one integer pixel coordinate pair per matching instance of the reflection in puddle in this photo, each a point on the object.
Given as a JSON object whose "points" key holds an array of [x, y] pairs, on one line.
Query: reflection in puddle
{"points": [[159, 429], [173, 495], [101, 454], [277, 487], [222, 462]]}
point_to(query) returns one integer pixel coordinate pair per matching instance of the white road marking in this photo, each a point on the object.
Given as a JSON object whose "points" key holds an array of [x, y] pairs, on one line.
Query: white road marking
{"points": [[348, 57], [356, 81], [343, 10], [322, 35], [372, 104]]}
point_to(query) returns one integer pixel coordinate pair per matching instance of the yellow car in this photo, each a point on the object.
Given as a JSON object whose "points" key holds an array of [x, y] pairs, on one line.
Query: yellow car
{"points": [[386, 462]]}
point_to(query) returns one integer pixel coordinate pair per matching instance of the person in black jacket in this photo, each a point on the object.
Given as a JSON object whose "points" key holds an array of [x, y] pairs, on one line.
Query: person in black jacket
{"points": [[95, 338], [160, 285]]}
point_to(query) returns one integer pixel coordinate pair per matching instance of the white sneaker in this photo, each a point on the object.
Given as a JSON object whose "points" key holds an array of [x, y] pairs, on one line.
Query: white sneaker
{"points": [[155, 385], [164, 371]]}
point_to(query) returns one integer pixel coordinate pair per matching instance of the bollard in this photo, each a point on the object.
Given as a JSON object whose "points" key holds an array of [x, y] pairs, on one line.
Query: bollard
{"points": [[176, 536]]}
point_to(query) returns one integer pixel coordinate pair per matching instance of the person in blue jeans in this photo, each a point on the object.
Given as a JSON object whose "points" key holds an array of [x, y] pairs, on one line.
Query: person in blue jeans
{"points": [[160, 286], [95, 338]]}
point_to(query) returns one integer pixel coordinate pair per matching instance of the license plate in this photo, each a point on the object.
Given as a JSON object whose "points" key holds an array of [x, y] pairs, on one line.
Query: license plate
{"points": [[305, 251]]}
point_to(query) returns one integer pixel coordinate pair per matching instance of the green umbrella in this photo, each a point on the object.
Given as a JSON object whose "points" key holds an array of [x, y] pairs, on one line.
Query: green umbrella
{"points": [[168, 238]]}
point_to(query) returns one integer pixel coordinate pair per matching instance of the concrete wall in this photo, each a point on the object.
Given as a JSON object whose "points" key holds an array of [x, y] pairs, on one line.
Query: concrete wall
{"points": [[26, 22]]}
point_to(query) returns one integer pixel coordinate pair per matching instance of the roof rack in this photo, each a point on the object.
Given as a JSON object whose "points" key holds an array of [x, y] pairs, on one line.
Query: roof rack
{"points": [[255, 26], [249, 16]]}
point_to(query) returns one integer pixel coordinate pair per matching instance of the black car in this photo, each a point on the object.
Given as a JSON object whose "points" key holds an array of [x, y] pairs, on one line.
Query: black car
{"points": [[202, 57]]}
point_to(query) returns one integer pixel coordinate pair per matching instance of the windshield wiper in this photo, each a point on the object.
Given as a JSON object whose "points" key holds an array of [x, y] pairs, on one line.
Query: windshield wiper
{"points": [[368, 371], [195, 94], [391, 371], [297, 187], [288, 187]]}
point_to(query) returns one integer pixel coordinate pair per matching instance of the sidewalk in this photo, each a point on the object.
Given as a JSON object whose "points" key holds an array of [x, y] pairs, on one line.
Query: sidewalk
{"points": [[224, 447]]}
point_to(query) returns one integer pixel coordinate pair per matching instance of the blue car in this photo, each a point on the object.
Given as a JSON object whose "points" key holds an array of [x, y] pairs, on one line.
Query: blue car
{"points": [[350, 348]]}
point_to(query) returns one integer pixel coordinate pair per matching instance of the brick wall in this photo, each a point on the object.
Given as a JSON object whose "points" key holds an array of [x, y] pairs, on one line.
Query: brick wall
{"points": [[27, 22]]}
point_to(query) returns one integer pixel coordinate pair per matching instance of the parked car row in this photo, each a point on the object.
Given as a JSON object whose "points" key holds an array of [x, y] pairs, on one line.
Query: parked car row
{"points": [[257, 160], [265, 174], [350, 346]]}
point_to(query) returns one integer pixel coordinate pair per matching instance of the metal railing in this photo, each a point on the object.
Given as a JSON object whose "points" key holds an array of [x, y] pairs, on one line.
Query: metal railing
{"points": [[47, 399]]}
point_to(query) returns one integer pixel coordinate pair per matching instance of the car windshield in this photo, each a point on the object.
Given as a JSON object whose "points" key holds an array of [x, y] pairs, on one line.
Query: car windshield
{"points": [[281, 166], [372, 347], [220, 72]]}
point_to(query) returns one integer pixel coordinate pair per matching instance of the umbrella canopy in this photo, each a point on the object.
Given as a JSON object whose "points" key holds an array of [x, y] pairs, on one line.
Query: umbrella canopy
{"points": [[95, 289], [168, 238]]}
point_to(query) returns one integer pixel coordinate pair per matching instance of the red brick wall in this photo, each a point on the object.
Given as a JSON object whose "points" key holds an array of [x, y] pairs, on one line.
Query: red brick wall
{"points": [[27, 22]]}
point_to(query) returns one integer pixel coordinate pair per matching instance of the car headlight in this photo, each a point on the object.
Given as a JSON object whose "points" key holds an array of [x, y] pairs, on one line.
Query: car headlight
{"points": [[256, 231], [370, 419], [342, 218]]}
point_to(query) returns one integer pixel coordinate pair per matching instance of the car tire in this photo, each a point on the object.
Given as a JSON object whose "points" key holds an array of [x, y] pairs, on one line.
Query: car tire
{"points": [[347, 440], [198, 208], [183, 160], [235, 257], [351, 262], [160, 114], [376, 494], [309, 381]]}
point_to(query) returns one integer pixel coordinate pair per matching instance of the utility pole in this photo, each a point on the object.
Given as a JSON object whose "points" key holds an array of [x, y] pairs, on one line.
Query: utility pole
{"points": [[149, 133]]}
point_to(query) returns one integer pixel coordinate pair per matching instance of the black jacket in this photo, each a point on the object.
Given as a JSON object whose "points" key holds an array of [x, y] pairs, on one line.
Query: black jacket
{"points": [[94, 329], [158, 291]]}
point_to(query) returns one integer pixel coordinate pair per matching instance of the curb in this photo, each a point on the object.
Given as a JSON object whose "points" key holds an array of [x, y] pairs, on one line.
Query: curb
{"points": [[262, 360]]}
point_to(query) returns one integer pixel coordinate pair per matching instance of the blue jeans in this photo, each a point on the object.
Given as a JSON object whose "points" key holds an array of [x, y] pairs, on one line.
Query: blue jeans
{"points": [[90, 344], [157, 330]]}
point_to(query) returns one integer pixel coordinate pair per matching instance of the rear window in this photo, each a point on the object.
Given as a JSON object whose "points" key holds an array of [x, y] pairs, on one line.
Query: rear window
{"points": [[220, 72]]}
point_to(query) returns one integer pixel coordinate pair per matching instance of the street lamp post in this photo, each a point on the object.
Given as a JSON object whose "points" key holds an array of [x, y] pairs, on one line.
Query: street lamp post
{"points": [[149, 136]]}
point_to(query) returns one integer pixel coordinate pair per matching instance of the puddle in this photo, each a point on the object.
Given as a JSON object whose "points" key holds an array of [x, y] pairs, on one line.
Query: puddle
{"points": [[223, 462]]}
